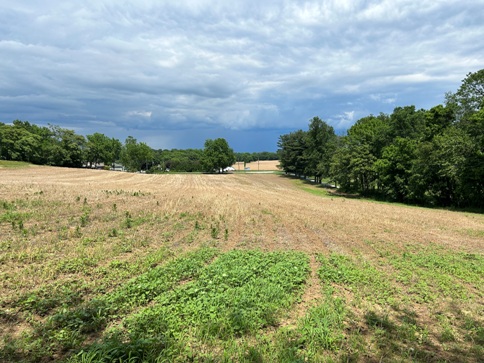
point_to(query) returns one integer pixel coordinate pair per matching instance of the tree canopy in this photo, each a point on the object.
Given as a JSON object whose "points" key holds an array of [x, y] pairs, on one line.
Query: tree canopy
{"points": [[135, 155], [433, 157], [217, 155]]}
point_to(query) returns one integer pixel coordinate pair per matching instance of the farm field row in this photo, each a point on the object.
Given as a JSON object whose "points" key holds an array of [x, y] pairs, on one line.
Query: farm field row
{"points": [[105, 266]]}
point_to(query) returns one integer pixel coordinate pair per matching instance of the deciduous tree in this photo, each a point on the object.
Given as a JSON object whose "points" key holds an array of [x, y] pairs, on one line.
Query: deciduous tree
{"points": [[135, 154], [217, 155]]}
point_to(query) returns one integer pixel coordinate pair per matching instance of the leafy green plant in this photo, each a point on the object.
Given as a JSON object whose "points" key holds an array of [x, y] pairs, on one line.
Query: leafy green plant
{"points": [[84, 219], [238, 294], [214, 231], [113, 233], [129, 220], [323, 326]]}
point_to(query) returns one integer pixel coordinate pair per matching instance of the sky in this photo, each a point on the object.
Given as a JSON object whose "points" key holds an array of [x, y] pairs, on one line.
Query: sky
{"points": [[175, 73]]}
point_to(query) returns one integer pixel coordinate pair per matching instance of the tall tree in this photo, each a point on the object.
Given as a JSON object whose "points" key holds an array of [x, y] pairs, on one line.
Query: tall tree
{"points": [[469, 98], [395, 168], [321, 144], [217, 155], [293, 152], [353, 165], [18, 144], [437, 119], [407, 122], [66, 148], [100, 148], [134, 155]]}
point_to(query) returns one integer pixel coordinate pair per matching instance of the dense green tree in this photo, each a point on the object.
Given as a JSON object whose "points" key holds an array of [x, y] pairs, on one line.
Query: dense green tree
{"points": [[472, 173], [114, 146], [255, 156], [395, 168], [18, 144], [373, 131], [469, 98], [265, 155], [353, 165], [135, 155], [437, 119], [39, 149], [217, 155], [293, 152], [100, 148], [321, 145], [406, 122], [245, 157], [66, 148], [188, 160]]}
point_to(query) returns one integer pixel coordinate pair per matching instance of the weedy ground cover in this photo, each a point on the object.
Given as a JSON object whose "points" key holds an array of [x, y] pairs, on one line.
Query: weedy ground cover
{"points": [[101, 265], [235, 296]]}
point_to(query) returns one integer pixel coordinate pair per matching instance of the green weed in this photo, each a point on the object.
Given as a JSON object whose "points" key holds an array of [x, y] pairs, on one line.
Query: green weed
{"points": [[238, 294], [322, 327]]}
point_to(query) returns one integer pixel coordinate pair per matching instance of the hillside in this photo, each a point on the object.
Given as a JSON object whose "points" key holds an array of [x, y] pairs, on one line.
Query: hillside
{"points": [[237, 267]]}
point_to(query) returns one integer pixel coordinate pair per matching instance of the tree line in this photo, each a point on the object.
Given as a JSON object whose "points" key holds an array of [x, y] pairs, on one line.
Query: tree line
{"points": [[56, 146], [432, 157]]}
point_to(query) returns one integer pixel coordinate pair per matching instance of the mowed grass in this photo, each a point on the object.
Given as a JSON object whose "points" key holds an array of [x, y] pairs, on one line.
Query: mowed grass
{"points": [[13, 164], [102, 266]]}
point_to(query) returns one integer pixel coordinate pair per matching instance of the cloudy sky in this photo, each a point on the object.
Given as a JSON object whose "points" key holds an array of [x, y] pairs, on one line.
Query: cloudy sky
{"points": [[174, 73]]}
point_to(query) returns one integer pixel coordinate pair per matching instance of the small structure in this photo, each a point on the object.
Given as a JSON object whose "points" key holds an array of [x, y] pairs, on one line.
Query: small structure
{"points": [[118, 167]]}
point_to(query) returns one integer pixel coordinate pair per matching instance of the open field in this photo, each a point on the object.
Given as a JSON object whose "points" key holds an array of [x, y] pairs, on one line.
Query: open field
{"points": [[107, 266], [263, 165]]}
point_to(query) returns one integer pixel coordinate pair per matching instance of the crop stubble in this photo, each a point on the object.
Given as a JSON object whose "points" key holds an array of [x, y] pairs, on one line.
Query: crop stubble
{"points": [[266, 208], [247, 211]]}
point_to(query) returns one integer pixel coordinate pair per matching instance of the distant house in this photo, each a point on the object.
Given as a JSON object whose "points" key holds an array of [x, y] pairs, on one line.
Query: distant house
{"points": [[118, 167]]}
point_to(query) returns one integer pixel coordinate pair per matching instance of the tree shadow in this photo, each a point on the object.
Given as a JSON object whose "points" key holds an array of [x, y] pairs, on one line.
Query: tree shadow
{"points": [[404, 336]]}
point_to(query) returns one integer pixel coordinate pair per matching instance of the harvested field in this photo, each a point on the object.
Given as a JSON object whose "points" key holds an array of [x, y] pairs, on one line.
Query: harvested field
{"points": [[405, 281], [263, 165]]}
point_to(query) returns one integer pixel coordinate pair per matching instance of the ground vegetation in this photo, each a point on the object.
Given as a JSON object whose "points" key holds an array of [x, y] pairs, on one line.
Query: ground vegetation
{"points": [[125, 267]]}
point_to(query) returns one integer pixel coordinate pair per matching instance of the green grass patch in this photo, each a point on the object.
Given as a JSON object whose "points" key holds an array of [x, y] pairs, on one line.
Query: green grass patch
{"points": [[13, 164], [431, 272], [358, 276], [312, 188], [68, 327]]}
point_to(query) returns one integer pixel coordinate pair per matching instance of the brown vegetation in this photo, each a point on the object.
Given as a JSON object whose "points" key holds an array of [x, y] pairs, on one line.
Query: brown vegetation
{"points": [[262, 165], [74, 215]]}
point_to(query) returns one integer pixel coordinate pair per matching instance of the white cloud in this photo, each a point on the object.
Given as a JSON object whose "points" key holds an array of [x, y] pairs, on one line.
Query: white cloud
{"points": [[344, 120], [140, 113], [384, 98]]}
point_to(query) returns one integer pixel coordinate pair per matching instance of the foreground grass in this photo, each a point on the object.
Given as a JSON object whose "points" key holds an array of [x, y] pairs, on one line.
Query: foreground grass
{"points": [[129, 276]]}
